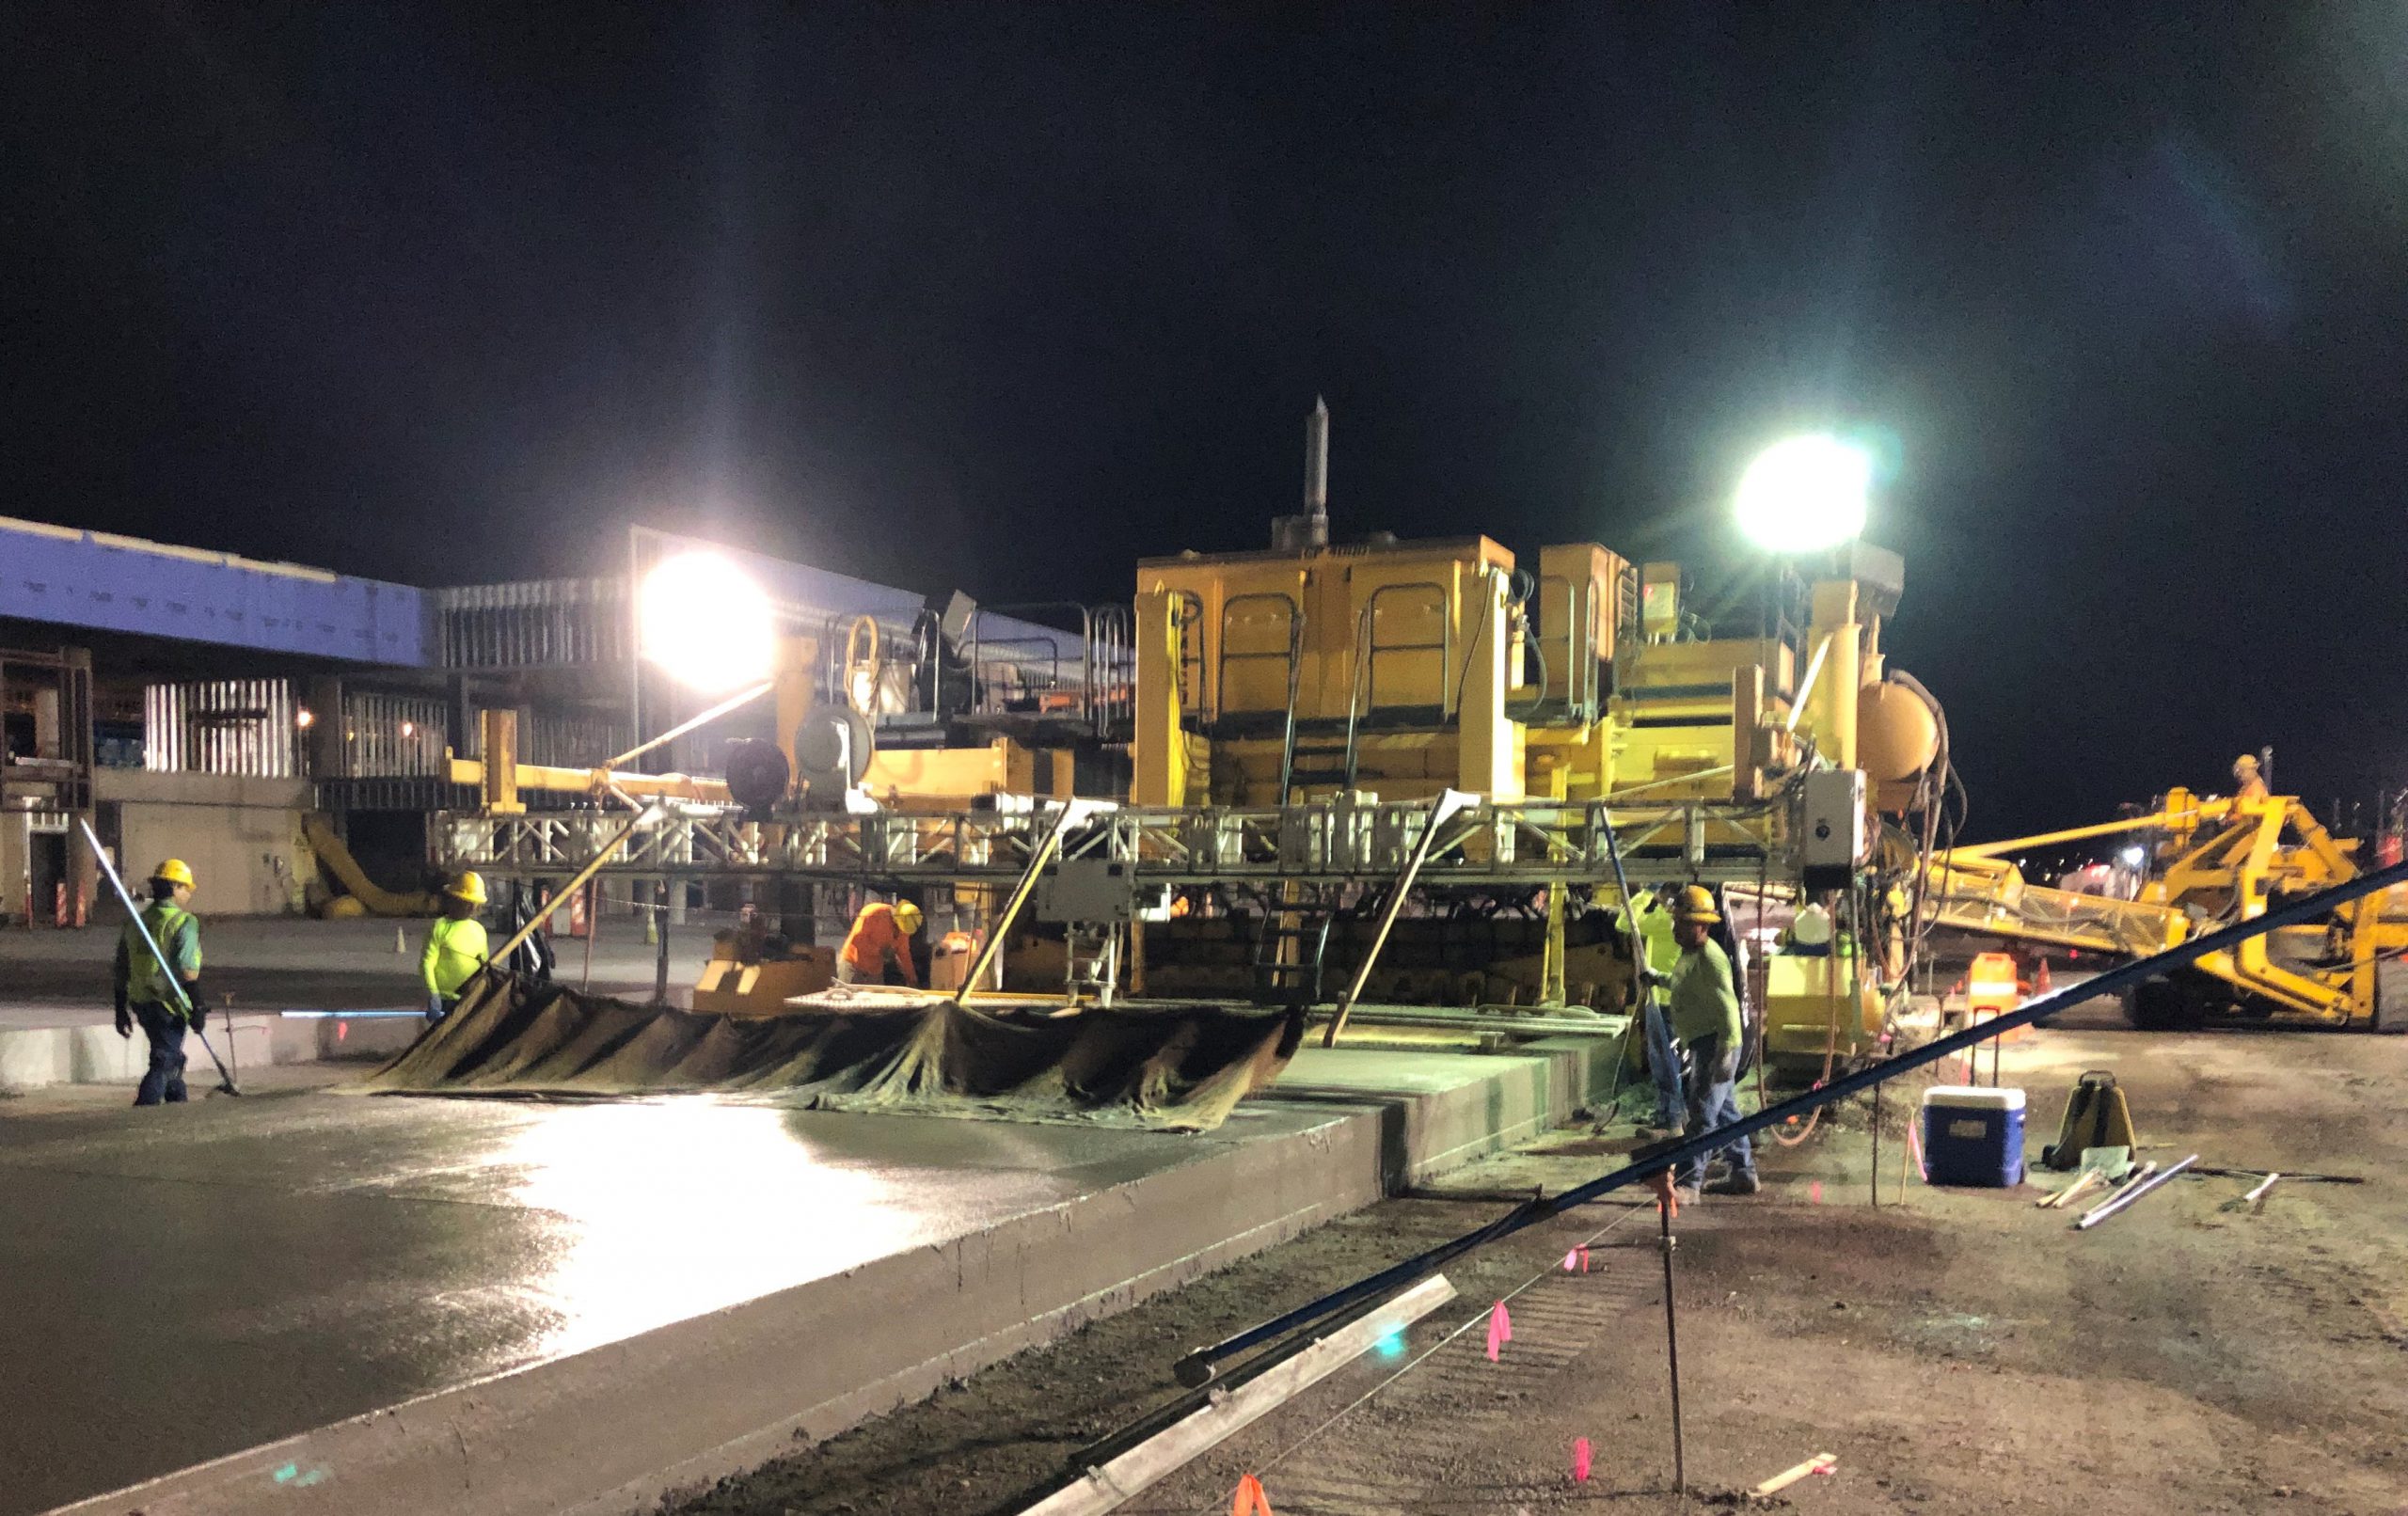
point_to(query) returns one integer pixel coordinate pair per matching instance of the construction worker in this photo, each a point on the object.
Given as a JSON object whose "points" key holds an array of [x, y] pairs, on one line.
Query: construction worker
{"points": [[1663, 1057], [2247, 782], [145, 985], [1704, 1003], [880, 933], [455, 946]]}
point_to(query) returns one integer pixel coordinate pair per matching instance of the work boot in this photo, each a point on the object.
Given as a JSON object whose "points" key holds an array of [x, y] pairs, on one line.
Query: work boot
{"points": [[1734, 1184], [1656, 1131]]}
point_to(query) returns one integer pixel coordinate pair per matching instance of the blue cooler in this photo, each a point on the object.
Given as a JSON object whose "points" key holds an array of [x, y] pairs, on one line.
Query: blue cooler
{"points": [[1973, 1136]]}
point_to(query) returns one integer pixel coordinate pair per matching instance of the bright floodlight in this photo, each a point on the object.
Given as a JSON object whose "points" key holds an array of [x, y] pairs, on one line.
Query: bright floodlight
{"points": [[2134, 858], [704, 620], [1805, 494]]}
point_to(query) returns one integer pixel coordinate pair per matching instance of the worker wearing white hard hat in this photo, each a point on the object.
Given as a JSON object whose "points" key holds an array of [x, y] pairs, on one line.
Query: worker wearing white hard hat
{"points": [[455, 946], [2248, 782]]}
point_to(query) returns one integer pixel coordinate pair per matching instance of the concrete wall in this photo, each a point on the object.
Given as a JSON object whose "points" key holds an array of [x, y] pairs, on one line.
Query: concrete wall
{"points": [[241, 836]]}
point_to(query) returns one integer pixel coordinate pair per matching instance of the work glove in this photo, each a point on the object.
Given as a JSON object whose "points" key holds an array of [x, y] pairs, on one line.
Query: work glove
{"points": [[124, 1021], [435, 1008], [200, 1017]]}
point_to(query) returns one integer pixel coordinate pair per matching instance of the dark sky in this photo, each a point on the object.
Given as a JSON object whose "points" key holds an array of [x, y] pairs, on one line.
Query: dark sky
{"points": [[1005, 297]]}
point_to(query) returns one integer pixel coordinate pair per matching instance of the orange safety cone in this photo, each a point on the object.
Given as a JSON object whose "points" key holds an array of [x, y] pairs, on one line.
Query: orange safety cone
{"points": [[1250, 1500], [2040, 983]]}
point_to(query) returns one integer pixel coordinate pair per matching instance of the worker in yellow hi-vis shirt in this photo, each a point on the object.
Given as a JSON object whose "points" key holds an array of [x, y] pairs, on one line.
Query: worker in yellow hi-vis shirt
{"points": [[455, 946]]}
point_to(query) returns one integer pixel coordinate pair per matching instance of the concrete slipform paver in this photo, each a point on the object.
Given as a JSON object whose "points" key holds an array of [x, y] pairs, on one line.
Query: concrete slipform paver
{"points": [[323, 1304]]}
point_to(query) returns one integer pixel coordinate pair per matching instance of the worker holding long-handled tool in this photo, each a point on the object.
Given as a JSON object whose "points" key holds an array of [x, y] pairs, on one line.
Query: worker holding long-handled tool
{"points": [[157, 979], [455, 946], [170, 972]]}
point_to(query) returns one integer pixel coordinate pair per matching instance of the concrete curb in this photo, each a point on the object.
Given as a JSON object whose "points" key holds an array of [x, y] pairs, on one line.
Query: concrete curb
{"points": [[38, 1057]]}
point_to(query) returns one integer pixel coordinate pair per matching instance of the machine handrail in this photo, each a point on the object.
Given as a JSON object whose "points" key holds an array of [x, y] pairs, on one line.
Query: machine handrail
{"points": [[1373, 647]]}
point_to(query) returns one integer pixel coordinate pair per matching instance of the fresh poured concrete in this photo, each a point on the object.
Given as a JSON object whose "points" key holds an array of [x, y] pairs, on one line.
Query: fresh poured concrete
{"points": [[327, 1304]]}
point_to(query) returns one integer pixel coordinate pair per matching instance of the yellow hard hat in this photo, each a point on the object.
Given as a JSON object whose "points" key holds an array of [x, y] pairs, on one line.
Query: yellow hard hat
{"points": [[907, 916], [2247, 760], [1697, 905], [175, 871], [469, 887]]}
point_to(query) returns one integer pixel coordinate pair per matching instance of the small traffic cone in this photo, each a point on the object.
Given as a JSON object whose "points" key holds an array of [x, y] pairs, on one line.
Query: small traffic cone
{"points": [[1250, 1500], [400, 941], [2040, 983]]}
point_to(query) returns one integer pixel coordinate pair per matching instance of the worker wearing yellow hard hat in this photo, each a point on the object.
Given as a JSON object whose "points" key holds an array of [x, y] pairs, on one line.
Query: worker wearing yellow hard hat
{"points": [[455, 946], [881, 935], [1705, 1005], [147, 983]]}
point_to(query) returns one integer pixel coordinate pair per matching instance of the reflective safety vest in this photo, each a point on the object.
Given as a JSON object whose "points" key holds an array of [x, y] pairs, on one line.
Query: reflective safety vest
{"points": [[177, 933], [455, 949]]}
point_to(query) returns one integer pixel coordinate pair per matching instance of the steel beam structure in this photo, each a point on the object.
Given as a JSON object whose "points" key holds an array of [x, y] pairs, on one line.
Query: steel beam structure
{"points": [[1519, 845]]}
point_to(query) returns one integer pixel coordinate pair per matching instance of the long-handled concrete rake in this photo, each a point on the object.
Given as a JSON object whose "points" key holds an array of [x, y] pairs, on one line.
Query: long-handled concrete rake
{"points": [[133, 914]]}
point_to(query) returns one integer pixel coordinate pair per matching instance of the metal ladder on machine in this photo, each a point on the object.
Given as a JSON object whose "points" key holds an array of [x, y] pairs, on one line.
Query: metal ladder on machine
{"points": [[1294, 939], [1323, 762]]}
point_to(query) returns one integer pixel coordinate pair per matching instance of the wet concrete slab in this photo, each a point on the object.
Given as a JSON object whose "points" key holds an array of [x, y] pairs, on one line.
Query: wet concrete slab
{"points": [[193, 1281], [322, 1303]]}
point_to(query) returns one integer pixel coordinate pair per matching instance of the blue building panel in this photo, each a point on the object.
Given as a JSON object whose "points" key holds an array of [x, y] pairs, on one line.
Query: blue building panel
{"points": [[68, 578]]}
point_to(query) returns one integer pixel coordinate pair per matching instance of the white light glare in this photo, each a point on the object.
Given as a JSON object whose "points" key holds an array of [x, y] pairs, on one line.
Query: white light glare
{"points": [[2134, 858], [1804, 494], [706, 622]]}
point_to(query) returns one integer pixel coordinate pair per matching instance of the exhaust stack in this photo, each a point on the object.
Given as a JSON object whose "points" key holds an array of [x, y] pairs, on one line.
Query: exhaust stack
{"points": [[1311, 529]]}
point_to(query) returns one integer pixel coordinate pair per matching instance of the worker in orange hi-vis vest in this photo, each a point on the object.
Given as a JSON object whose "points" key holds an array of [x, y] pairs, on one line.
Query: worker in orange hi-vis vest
{"points": [[880, 933], [2247, 782]]}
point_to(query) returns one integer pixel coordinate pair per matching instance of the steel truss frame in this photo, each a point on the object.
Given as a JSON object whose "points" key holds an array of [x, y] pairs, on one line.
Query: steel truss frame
{"points": [[1513, 844]]}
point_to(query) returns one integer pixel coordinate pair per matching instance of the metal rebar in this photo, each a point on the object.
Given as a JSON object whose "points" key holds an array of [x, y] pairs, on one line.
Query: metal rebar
{"points": [[592, 929], [1441, 810], [661, 964], [1672, 1351], [2129, 1195], [1875, 1177]]}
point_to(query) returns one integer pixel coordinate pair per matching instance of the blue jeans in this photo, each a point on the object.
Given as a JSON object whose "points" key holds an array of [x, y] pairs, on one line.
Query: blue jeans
{"points": [[164, 1081], [1714, 1101], [1663, 1061]]}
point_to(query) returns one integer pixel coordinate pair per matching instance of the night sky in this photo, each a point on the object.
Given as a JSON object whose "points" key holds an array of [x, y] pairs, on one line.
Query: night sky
{"points": [[1005, 297]]}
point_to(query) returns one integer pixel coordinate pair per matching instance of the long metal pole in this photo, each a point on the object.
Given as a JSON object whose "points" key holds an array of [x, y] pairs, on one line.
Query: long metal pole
{"points": [[734, 702], [2100, 1213], [592, 929], [133, 914], [1672, 1352], [2306, 908], [1447, 803], [1001, 924], [660, 937], [593, 867]]}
